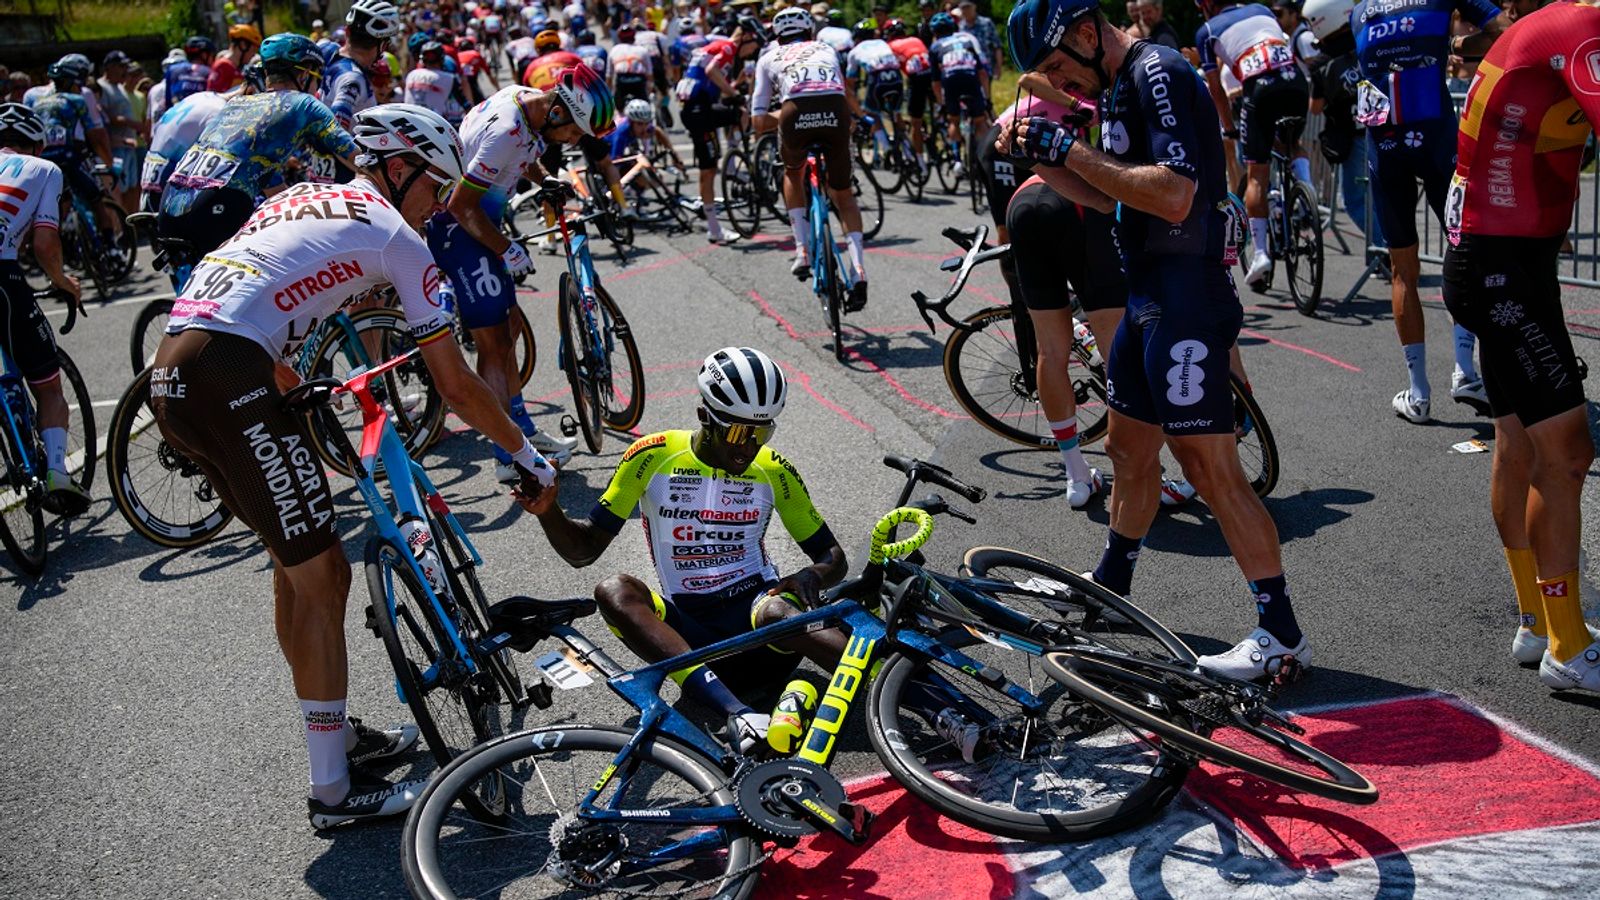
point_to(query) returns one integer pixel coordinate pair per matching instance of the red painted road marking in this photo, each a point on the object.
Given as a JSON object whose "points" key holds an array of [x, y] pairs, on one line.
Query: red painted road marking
{"points": [[1296, 347]]}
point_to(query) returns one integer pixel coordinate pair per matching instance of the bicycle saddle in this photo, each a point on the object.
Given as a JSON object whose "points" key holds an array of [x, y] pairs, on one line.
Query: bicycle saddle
{"points": [[529, 620]]}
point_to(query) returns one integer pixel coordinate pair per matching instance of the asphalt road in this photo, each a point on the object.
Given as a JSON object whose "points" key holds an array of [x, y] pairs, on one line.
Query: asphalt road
{"points": [[151, 731]]}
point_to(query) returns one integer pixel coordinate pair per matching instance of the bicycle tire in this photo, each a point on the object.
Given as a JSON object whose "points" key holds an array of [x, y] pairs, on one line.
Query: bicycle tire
{"points": [[148, 329], [977, 194], [163, 495], [470, 715], [940, 160], [1303, 256], [869, 200], [620, 409], [1261, 463], [89, 262], [915, 178], [21, 504], [767, 161], [575, 351], [739, 195], [83, 440], [1107, 681], [888, 175], [1013, 413], [426, 849], [833, 297], [612, 225], [998, 792], [524, 345], [419, 416]]}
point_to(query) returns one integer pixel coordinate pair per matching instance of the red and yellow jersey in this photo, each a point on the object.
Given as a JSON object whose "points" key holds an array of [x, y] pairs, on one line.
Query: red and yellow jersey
{"points": [[1527, 117], [541, 72]]}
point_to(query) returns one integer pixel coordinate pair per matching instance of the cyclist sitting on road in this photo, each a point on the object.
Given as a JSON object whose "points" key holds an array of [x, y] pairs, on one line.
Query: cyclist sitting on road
{"points": [[1246, 38], [873, 62], [918, 69], [1411, 131], [32, 189], [193, 75], [961, 82], [704, 93], [1500, 280], [641, 136], [253, 303], [74, 129], [1167, 372], [805, 76], [247, 146], [706, 498], [429, 85], [503, 136]]}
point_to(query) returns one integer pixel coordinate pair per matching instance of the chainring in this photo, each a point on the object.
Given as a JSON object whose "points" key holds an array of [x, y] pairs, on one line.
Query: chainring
{"points": [[758, 801]]}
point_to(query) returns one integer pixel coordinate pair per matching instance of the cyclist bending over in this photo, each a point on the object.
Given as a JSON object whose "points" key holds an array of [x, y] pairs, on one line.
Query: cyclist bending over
{"points": [[804, 76], [32, 188], [872, 63], [252, 303], [641, 136]]}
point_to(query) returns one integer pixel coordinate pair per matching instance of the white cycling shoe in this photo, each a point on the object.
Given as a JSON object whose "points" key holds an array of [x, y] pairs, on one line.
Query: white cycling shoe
{"points": [[1176, 492], [1255, 657], [554, 447], [1079, 493], [1528, 648], [801, 267], [1580, 673], [1260, 273], [1470, 392], [1413, 410]]}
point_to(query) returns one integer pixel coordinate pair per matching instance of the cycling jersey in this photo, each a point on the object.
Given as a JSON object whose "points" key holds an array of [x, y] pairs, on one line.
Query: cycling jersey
{"points": [[873, 62], [248, 143], [299, 258], [630, 59], [595, 58], [436, 90], [1247, 39], [497, 141], [30, 197], [1525, 125], [956, 55], [185, 78], [683, 48], [492, 25], [705, 527], [346, 89], [801, 69], [67, 117], [521, 50], [696, 86], [542, 71], [840, 39], [623, 142], [913, 54], [1404, 46], [172, 137]]}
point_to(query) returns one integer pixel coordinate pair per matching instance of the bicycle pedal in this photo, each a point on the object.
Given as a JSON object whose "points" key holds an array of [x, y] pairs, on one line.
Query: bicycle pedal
{"points": [[371, 623], [569, 426], [1283, 671], [541, 695]]}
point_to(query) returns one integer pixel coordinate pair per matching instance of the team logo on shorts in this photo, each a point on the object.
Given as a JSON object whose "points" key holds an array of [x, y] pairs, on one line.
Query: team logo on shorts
{"points": [[1184, 378]]}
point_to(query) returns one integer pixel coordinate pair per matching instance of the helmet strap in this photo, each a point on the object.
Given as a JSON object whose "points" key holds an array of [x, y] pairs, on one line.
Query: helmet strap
{"points": [[1095, 62]]}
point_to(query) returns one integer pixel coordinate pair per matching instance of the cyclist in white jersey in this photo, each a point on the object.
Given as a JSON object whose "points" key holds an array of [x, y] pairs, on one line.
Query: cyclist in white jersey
{"points": [[177, 131], [804, 79], [250, 306], [30, 203], [430, 85]]}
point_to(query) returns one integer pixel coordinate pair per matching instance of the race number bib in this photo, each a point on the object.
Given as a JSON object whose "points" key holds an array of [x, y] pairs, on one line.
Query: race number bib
{"points": [[150, 175], [1267, 56], [321, 169], [1372, 105], [205, 167], [1455, 204], [685, 89]]}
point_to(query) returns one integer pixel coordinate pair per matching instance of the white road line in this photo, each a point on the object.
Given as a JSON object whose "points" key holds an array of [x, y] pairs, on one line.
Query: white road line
{"points": [[93, 307]]}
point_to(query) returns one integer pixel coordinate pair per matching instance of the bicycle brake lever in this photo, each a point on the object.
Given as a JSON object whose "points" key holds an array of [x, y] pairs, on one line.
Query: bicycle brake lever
{"points": [[922, 309], [961, 515]]}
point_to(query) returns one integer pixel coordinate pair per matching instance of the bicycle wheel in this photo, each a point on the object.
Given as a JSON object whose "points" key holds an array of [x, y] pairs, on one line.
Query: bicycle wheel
{"points": [[148, 329], [869, 199], [462, 573], [740, 199], [120, 265], [768, 168], [445, 853], [163, 494], [833, 293], [984, 370], [577, 358], [1185, 708], [454, 708], [523, 345], [88, 260], [1258, 451], [941, 160], [914, 178], [1064, 771], [21, 502], [622, 396], [977, 194], [884, 166], [83, 441], [414, 405], [1302, 259]]}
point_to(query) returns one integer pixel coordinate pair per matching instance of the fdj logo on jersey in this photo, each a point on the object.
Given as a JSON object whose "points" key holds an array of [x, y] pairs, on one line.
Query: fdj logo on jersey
{"points": [[847, 678], [1381, 30]]}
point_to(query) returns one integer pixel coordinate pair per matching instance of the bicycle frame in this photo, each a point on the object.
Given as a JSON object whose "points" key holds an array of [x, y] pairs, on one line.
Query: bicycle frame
{"points": [[821, 234], [19, 422]]}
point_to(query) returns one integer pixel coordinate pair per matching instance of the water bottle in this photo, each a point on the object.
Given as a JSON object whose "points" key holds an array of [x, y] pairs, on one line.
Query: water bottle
{"points": [[419, 540], [1085, 339], [792, 716], [1275, 205]]}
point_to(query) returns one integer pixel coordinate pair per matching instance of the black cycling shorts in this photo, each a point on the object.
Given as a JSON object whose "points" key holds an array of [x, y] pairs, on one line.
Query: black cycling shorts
{"points": [[702, 621], [594, 149], [885, 92], [1001, 174], [1169, 360], [920, 94], [817, 119], [215, 402], [28, 338], [1504, 290], [1053, 237], [1398, 156], [631, 87], [963, 94], [702, 120], [1267, 98], [214, 217]]}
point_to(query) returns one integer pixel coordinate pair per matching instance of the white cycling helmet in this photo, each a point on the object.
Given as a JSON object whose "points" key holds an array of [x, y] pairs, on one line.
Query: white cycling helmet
{"points": [[378, 18], [20, 120], [639, 110], [740, 385], [792, 22], [407, 128], [1324, 17]]}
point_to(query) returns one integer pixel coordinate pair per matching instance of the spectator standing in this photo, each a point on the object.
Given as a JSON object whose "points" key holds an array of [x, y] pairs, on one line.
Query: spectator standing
{"points": [[1151, 16], [926, 9], [20, 82], [982, 28]]}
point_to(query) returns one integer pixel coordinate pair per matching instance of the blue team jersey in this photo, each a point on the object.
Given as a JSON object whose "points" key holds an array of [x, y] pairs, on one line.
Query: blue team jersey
{"points": [[1247, 39], [346, 89], [684, 47], [186, 78], [247, 145], [957, 54], [1159, 112], [594, 57], [625, 143], [1404, 45], [66, 118]]}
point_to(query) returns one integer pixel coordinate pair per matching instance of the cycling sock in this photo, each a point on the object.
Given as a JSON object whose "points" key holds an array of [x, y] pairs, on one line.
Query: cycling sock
{"points": [[55, 448], [1563, 615], [858, 254], [1115, 571], [706, 687], [519, 414], [1417, 365], [330, 770], [801, 225], [617, 195], [1465, 344], [1067, 442], [1273, 611], [1530, 605], [713, 227], [1258, 235], [1302, 168]]}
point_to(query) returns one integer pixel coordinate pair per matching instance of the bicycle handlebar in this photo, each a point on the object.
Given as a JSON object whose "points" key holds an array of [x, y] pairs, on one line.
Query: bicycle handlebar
{"points": [[932, 474], [55, 293], [977, 252]]}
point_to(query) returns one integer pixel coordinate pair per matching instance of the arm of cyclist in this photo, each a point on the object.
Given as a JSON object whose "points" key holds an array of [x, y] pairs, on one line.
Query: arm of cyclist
{"points": [[801, 519], [1072, 186], [1475, 45], [466, 204], [578, 541], [47, 237], [1160, 190], [663, 140], [1219, 99]]}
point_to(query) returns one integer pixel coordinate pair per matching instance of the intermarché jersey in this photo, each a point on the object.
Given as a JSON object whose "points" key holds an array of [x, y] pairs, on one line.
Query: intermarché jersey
{"points": [[1247, 39], [801, 69], [1404, 46], [705, 527], [304, 254], [1528, 115], [30, 197], [1159, 113]]}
